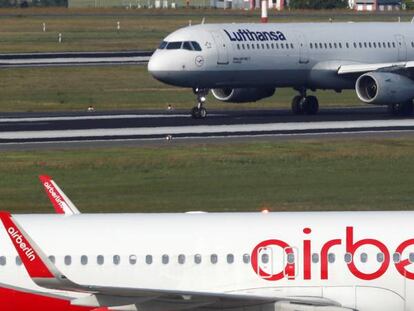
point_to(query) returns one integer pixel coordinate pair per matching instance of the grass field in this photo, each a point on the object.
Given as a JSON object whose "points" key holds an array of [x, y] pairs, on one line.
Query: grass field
{"points": [[300, 175], [94, 30], [117, 87]]}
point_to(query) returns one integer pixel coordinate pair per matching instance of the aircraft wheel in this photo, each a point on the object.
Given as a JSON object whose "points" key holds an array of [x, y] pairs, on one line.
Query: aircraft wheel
{"points": [[297, 105], [311, 105], [199, 113]]}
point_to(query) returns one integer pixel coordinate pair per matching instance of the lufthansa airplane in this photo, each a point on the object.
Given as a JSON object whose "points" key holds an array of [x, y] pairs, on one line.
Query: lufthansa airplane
{"points": [[248, 62], [337, 261]]}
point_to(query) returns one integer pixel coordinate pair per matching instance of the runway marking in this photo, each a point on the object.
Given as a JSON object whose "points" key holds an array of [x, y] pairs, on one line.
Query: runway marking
{"points": [[209, 129]]}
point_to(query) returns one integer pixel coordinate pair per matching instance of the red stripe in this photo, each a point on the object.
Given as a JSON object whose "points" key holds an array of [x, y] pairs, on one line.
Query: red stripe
{"points": [[14, 300]]}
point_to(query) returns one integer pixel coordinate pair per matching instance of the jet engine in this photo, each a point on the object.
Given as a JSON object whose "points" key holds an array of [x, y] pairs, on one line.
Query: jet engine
{"points": [[242, 95], [384, 88]]}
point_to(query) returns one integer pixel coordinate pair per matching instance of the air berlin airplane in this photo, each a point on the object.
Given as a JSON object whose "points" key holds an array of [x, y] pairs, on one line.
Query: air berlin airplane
{"points": [[335, 261]]}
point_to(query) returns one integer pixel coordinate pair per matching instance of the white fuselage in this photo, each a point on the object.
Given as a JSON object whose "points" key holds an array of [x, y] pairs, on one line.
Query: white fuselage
{"points": [[300, 55], [274, 254]]}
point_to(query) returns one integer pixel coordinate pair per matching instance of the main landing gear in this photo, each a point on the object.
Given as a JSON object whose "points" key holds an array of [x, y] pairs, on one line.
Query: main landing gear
{"points": [[302, 104], [198, 111]]}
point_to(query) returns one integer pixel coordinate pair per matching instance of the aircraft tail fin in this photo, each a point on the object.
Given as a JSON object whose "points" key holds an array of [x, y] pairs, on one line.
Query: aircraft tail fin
{"points": [[61, 203]]}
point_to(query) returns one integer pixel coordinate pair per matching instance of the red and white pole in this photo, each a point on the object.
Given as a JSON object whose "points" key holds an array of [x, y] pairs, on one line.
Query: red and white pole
{"points": [[264, 11]]}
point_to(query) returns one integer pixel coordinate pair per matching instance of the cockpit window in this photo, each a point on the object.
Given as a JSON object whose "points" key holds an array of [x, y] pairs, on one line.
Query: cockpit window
{"points": [[196, 46], [174, 45], [187, 46], [163, 45]]}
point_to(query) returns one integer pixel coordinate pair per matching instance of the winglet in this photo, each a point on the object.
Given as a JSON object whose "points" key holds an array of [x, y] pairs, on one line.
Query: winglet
{"points": [[61, 203], [26, 248]]}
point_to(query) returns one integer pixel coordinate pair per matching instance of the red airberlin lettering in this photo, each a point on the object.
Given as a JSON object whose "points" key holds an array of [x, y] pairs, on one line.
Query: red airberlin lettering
{"points": [[350, 245]]}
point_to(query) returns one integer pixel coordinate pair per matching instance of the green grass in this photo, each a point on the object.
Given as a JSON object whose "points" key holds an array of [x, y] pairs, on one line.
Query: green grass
{"points": [[301, 175], [117, 87], [95, 30]]}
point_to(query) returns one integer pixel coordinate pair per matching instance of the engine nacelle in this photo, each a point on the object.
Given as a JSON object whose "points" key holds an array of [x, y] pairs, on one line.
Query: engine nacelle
{"points": [[384, 88], [242, 95]]}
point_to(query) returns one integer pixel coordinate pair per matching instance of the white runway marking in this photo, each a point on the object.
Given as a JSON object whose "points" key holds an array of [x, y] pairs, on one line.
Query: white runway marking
{"points": [[209, 129]]}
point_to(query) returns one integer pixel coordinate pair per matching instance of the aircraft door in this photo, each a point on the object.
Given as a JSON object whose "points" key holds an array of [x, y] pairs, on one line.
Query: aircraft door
{"points": [[274, 261], [290, 262], [402, 47], [303, 48], [222, 48]]}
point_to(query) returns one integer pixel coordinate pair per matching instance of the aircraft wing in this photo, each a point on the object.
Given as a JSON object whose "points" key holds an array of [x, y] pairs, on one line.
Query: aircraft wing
{"points": [[45, 274], [362, 68], [61, 203]]}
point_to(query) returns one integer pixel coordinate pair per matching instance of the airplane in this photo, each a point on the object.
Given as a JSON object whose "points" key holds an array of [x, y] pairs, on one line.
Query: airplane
{"points": [[289, 261], [248, 62], [61, 203]]}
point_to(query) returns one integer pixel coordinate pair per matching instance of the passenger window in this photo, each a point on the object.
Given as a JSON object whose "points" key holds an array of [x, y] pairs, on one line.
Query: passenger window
{"points": [[243, 46], [287, 46], [252, 46], [181, 259], [315, 258], [360, 45], [267, 46], [277, 46], [331, 257], [355, 45], [84, 260], [3, 260], [132, 259], [246, 258], [273, 46], [196, 46], [330, 45], [396, 257], [238, 46], [265, 258], [68, 260], [389, 45], [248, 46], [412, 44], [393, 44], [18, 261], [411, 257], [165, 259], [162, 45], [116, 259], [335, 46], [348, 258], [148, 259], [320, 45], [369, 44], [326, 45], [230, 258], [291, 46], [365, 45], [374, 44], [197, 258], [213, 258], [100, 260], [311, 45], [380, 257], [263, 46], [52, 259], [258, 46], [291, 258], [364, 257], [174, 45]]}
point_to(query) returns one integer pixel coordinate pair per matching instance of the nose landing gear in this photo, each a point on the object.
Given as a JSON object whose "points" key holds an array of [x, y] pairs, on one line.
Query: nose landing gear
{"points": [[302, 104], [198, 111]]}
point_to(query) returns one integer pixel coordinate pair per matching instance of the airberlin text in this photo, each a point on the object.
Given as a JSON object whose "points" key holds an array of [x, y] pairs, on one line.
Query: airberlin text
{"points": [[55, 195], [18, 239], [351, 246], [247, 35]]}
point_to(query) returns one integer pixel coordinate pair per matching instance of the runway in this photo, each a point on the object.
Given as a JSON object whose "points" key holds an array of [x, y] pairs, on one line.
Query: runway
{"points": [[54, 129], [74, 59]]}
